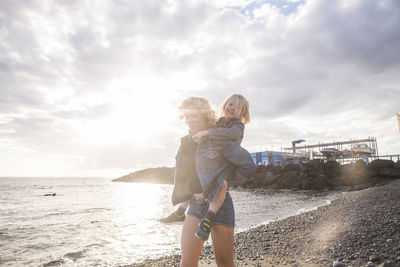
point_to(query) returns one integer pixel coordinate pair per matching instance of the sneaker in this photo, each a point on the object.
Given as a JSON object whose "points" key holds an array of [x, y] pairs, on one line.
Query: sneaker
{"points": [[204, 229], [173, 217]]}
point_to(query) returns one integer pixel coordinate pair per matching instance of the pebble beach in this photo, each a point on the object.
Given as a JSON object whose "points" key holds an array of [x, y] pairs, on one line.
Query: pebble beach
{"points": [[359, 228]]}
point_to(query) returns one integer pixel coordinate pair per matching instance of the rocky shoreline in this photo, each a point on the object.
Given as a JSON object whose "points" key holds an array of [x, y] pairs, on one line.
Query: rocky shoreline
{"points": [[314, 175], [360, 228], [324, 175]]}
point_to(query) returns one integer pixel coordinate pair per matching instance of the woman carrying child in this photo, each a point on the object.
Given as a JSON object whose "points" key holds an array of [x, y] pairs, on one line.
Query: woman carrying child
{"points": [[200, 176]]}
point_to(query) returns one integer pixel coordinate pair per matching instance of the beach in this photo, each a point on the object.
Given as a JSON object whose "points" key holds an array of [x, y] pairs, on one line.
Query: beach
{"points": [[359, 228]]}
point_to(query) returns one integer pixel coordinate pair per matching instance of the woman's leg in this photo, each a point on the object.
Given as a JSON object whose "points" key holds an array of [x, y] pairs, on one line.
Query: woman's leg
{"points": [[190, 245], [222, 239]]}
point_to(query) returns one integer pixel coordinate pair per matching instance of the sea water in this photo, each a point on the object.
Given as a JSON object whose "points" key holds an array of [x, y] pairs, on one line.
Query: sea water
{"points": [[97, 222]]}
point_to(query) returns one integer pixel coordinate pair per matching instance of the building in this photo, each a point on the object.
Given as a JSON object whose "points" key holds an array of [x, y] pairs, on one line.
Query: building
{"points": [[343, 152], [269, 157]]}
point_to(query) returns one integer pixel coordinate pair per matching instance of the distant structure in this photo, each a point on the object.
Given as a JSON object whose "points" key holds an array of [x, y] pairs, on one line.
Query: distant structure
{"points": [[269, 157], [343, 152]]}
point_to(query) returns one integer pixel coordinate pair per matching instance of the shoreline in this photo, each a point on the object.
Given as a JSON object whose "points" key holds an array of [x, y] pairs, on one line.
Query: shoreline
{"points": [[359, 228]]}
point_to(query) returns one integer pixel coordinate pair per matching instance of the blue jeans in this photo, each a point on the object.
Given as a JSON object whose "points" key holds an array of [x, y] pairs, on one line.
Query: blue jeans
{"points": [[224, 216]]}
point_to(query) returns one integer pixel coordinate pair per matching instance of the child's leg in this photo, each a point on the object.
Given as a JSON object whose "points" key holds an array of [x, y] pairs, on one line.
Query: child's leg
{"points": [[206, 223], [182, 208], [178, 215]]}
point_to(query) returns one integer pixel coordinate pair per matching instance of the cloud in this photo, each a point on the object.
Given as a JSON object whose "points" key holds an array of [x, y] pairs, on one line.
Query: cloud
{"points": [[75, 73]]}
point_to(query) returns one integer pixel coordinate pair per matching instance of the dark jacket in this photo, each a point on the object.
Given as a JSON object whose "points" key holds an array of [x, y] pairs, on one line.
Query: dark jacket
{"points": [[213, 158]]}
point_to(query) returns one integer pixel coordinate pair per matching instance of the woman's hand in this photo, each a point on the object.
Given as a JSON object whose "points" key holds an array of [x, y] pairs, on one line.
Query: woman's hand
{"points": [[199, 135]]}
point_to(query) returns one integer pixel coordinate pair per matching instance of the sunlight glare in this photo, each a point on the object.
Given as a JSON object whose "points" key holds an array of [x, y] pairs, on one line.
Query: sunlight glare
{"points": [[139, 114]]}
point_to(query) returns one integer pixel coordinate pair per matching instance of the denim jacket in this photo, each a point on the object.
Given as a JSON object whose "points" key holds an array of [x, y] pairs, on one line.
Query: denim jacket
{"points": [[213, 157], [229, 130]]}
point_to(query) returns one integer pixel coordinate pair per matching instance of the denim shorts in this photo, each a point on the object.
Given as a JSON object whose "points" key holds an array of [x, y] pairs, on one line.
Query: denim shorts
{"points": [[225, 215]]}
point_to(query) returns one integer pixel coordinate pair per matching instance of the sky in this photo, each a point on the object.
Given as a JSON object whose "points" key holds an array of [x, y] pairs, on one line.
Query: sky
{"points": [[91, 88]]}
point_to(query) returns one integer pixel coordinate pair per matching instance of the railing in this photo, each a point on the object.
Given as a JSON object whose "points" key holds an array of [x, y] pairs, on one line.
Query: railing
{"points": [[394, 157]]}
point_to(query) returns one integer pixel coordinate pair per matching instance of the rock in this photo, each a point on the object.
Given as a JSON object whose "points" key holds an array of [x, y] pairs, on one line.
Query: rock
{"points": [[332, 169], [381, 163], [389, 173], [314, 168], [388, 264], [337, 264], [374, 167], [258, 178], [397, 164], [353, 174], [54, 263], [374, 258], [323, 260], [269, 178]]}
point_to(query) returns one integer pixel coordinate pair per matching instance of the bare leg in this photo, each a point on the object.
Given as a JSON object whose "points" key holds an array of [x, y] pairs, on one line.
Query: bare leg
{"points": [[219, 198], [190, 245], [222, 239]]}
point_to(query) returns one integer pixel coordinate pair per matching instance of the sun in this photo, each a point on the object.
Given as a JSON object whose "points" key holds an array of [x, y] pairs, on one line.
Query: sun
{"points": [[141, 112]]}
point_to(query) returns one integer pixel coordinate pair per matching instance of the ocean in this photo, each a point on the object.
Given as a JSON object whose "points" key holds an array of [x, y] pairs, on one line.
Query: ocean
{"points": [[97, 222]]}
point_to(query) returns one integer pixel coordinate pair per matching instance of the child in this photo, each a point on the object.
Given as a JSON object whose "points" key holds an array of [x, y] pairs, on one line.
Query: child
{"points": [[234, 114]]}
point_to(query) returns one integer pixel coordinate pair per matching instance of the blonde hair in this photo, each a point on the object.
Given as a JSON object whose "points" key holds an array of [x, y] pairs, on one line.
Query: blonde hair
{"points": [[243, 108], [194, 103]]}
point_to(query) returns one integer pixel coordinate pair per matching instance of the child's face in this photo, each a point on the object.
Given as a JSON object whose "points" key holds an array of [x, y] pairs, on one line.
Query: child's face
{"points": [[231, 108]]}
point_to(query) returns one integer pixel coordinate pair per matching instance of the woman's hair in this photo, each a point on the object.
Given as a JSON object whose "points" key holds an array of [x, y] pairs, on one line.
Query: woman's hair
{"points": [[243, 108], [194, 103]]}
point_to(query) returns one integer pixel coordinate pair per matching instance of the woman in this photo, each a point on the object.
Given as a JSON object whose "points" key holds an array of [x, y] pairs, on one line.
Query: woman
{"points": [[199, 173]]}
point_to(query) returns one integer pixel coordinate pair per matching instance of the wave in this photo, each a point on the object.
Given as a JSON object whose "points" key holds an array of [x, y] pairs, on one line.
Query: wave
{"points": [[67, 258]]}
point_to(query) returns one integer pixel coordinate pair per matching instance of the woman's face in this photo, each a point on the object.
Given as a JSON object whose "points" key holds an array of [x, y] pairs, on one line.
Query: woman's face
{"points": [[231, 108], [195, 121]]}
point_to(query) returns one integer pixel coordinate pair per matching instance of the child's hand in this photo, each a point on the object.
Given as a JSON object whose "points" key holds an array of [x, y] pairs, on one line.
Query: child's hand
{"points": [[199, 135]]}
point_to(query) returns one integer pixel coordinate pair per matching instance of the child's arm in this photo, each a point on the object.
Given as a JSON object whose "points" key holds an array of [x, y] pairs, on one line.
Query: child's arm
{"points": [[234, 133]]}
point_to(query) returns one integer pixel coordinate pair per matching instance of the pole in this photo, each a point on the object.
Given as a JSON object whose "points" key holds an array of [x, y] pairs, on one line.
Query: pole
{"points": [[398, 119]]}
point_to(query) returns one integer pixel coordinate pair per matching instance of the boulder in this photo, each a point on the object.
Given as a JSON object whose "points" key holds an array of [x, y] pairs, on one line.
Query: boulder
{"points": [[258, 177], [397, 165], [389, 173], [315, 167], [332, 169], [314, 183], [374, 167], [353, 174], [381, 163], [269, 178]]}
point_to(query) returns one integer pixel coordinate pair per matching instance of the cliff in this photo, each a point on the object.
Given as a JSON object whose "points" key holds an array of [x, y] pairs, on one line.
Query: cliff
{"points": [[162, 175]]}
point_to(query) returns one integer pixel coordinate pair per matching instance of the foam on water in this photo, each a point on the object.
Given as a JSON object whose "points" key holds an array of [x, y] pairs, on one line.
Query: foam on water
{"points": [[92, 221]]}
